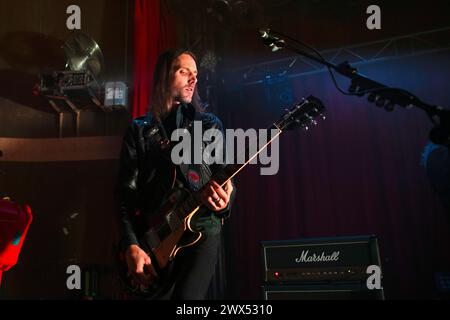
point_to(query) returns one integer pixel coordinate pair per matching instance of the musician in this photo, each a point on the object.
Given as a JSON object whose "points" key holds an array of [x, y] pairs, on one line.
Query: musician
{"points": [[147, 172]]}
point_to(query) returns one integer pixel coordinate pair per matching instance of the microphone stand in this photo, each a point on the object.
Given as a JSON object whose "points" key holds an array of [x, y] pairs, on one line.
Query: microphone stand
{"points": [[382, 95]]}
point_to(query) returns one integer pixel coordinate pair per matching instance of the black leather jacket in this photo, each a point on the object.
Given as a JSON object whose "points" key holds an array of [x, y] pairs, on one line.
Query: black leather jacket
{"points": [[146, 171]]}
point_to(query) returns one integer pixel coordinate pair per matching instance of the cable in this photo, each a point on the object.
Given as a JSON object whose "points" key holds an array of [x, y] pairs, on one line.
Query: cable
{"points": [[321, 58], [326, 62]]}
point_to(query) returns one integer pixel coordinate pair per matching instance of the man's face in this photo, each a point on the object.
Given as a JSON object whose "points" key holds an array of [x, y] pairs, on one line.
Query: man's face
{"points": [[184, 79]]}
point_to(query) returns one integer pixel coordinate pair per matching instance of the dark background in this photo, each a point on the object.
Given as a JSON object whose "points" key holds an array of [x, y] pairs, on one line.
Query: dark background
{"points": [[357, 173], [31, 35]]}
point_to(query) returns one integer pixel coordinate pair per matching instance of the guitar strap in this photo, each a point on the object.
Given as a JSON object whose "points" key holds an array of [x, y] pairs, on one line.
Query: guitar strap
{"points": [[194, 176]]}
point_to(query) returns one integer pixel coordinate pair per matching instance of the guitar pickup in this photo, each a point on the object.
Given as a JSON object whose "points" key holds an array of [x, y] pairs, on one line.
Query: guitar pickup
{"points": [[173, 220]]}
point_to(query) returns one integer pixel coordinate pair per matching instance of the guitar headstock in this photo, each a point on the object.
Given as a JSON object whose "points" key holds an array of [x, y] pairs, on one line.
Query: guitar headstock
{"points": [[302, 115]]}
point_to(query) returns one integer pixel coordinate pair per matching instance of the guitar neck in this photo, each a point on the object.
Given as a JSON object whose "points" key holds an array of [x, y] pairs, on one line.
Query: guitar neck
{"points": [[230, 170]]}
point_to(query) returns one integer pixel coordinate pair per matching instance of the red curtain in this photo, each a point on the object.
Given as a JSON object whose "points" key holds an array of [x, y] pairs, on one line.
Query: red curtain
{"points": [[154, 32]]}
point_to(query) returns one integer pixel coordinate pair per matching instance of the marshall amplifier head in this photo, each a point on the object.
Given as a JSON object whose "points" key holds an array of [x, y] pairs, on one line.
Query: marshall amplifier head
{"points": [[338, 259]]}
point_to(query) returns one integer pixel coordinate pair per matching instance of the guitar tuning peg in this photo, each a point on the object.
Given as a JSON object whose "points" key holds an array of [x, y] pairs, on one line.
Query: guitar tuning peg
{"points": [[322, 116], [305, 127], [311, 120], [372, 97]]}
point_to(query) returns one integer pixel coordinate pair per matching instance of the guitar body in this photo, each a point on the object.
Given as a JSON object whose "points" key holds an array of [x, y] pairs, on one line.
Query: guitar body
{"points": [[182, 232], [163, 243]]}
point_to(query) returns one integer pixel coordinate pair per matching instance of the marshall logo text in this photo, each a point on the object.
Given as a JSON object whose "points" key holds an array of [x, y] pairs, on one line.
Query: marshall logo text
{"points": [[304, 257]]}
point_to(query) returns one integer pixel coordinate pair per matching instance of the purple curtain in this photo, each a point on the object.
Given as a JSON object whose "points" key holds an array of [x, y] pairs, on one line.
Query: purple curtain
{"points": [[356, 173]]}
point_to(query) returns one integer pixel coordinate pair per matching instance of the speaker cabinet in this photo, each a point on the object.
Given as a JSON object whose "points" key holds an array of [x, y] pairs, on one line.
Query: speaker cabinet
{"points": [[321, 292]]}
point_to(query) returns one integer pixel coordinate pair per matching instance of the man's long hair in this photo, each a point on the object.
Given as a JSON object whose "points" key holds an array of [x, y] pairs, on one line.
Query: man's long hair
{"points": [[162, 79]]}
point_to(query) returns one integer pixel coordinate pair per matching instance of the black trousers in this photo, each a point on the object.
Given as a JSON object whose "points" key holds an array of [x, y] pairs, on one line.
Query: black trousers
{"points": [[194, 269]]}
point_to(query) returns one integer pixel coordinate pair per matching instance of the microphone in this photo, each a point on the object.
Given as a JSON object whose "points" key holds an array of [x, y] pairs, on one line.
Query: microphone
{"points": [[271, 41]]}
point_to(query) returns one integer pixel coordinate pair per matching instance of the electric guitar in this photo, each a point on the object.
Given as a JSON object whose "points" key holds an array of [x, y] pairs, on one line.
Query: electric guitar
{"points": [[171, 226]]}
